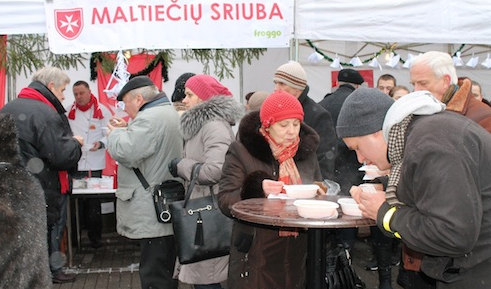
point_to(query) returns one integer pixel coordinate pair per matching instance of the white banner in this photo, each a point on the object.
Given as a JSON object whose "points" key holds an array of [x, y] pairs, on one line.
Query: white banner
{"points": [[76, 26]]}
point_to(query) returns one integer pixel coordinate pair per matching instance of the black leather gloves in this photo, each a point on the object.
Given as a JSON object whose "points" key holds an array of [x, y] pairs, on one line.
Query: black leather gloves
{"points": [[173, 166]]}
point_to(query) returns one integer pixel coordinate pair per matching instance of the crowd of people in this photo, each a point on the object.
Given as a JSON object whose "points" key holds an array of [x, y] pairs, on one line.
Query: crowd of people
{"points": [[432, 210]]}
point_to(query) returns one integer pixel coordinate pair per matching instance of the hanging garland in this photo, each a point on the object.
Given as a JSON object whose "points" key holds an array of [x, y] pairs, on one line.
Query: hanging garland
{"points": [[108, 62], [369, 59]]}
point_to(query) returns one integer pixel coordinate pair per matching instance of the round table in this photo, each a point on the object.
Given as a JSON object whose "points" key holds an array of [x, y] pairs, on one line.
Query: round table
{"points": [[282, 213]]}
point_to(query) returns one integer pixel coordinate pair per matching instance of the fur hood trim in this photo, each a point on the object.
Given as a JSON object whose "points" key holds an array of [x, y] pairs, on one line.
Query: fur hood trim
{"points": [[217, 108], [258, 147]]}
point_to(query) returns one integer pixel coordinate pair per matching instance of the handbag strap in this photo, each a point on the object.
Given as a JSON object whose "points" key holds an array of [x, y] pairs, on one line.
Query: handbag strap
{"points": [[194, 176], [141, 178]]}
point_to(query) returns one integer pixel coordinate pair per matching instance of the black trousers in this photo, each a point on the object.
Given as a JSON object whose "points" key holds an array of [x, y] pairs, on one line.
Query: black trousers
{"points": [[157, 261]]}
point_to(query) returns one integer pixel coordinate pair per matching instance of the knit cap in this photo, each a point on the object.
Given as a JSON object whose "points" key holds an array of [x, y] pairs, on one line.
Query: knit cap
{"points": [[206, 86], [278, 106], [291, 74], [363, 112], [179, 88]]}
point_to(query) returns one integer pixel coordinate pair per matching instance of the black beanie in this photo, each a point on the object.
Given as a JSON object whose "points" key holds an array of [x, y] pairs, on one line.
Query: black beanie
{"points": [[179, 88], [363, 112]]}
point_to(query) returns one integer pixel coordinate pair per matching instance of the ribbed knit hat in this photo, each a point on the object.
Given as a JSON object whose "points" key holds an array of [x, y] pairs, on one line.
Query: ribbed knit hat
{"points": [[278, 106], [179, 88], [206, 86], [291, 74], [363, 112]]}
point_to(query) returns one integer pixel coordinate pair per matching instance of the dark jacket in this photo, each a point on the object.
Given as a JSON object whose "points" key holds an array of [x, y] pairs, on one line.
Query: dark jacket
{"points": [[446, 188], [321, 121], [346, 172], [272, 262], [23, 250], [46, 143]]}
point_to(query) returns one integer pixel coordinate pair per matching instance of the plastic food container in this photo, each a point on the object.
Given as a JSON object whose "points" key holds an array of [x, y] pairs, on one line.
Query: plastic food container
{"points": [[316, 209], [301, 191], [349, 207]]}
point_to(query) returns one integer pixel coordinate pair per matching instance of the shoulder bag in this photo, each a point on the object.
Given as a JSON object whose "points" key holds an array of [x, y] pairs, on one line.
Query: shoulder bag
{"points": [[201, 230], [163, 194]]}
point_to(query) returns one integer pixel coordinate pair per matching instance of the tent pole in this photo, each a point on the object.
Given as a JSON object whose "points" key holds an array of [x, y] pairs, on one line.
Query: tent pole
{"points": [[241, 82]]}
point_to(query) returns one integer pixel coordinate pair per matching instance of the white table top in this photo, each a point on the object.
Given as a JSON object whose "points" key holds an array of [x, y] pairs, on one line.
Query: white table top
{"points": [[92, 191]]}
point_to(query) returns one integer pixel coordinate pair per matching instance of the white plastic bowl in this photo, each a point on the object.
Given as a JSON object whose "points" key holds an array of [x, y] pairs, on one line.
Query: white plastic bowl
{"points": [[316, 209], [301, 191], [349, 207]]}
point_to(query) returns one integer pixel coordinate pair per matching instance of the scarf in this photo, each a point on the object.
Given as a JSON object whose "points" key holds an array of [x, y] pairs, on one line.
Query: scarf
{"points": [[396, 122], [93, 102], [288, 173], [31, 93]]}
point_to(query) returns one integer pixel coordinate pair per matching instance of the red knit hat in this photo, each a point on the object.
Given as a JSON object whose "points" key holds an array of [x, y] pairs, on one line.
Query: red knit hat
{"points": [[206, 86], [278, 106]]}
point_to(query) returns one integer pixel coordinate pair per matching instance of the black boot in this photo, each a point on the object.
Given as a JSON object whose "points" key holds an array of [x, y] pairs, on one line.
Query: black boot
{"points": [[382, 246]]}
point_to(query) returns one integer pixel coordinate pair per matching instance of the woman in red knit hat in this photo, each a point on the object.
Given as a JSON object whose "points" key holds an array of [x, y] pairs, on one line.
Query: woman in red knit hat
{"points": [[274, 148]]}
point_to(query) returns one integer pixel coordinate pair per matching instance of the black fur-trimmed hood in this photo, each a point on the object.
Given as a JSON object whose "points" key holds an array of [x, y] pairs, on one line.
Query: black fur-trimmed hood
{"points": [[258, 147], [219, 107]]}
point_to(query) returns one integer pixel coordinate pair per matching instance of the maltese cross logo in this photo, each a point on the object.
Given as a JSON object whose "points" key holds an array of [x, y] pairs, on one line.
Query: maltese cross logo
{"points": [[69, 22]]}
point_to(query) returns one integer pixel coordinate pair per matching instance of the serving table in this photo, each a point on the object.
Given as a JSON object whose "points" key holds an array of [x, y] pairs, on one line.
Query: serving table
{"points": [[76, 194], [282, 213]]}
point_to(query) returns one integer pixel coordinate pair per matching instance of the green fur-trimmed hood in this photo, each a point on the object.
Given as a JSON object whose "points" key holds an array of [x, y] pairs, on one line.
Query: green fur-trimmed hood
{"points": [[217, 108]]}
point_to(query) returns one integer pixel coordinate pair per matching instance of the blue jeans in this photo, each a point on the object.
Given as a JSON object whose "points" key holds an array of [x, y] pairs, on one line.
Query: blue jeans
{"points": [[56, 259], [208, 286]]}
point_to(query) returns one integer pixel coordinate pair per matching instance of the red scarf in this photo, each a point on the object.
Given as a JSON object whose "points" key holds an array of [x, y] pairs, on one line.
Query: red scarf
{"points": [[288, 173], [36, 95], [93, 101]]}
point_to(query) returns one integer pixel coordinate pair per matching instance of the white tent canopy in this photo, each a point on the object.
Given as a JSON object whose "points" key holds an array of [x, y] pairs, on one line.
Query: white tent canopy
{"points": [[423, 21], [438, 21], [22, 17]]}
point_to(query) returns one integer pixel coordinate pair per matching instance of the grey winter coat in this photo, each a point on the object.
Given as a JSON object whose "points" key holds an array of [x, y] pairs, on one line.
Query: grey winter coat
{"points": [[207, 133], [259, 258], [149, 143]]}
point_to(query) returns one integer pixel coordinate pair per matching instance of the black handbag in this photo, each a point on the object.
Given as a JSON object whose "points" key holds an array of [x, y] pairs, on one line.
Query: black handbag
{"points": [[201, 230], [163, 194]]}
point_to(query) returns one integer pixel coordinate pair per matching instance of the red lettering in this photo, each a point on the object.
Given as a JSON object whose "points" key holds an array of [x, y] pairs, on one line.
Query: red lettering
{"points": [[244, 11], [172, 7], [119, 15], [227, 11], [142, 12], [97, 17], [275, 11], [261, 14], [133, 18], [159, 12], [214, 8]]}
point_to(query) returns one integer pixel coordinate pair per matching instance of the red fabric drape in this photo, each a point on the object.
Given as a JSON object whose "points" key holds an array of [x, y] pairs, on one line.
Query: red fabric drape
{"points": [[3, 77], [136, 63]]}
